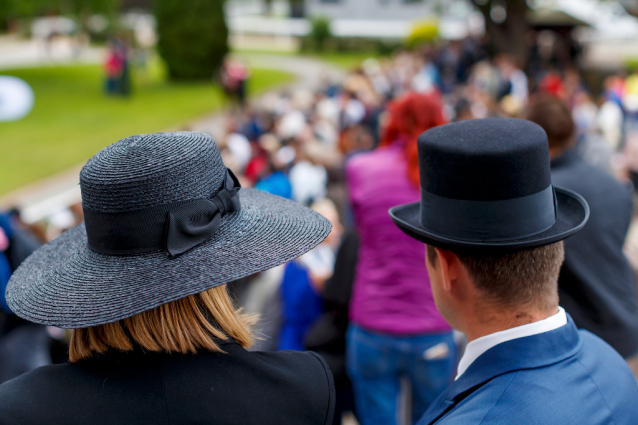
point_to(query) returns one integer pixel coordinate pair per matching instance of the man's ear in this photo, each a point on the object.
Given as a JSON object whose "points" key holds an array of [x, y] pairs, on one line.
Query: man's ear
{"points": [[449, 263]]}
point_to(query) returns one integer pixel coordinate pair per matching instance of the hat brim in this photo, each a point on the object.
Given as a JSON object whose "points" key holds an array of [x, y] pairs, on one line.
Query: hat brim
{"points": [[572, 214], [67, 285]]}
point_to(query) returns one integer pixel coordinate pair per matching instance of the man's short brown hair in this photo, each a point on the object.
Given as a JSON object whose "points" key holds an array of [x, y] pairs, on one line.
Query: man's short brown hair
{"points": [[554, 116], [519, 278]]}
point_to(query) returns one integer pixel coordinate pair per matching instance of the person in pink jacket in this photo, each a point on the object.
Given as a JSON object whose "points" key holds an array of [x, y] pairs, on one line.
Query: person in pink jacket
{"points": [[395, 329]]}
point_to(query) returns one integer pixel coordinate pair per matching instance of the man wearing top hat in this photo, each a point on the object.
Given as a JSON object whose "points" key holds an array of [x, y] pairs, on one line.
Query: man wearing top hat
{"points": [[493, 225]]}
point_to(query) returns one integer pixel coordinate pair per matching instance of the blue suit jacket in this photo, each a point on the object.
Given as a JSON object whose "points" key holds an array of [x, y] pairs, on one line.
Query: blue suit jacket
{"points": [[564, 376]]}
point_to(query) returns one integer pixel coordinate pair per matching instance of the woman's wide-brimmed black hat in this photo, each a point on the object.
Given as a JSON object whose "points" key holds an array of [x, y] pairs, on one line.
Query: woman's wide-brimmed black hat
{"points": [[164, 219], [486, 183]]}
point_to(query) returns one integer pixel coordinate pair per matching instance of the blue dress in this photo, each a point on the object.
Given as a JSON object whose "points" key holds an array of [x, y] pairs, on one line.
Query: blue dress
{"points": [[301, 307], [277, 184], [5, 268]]}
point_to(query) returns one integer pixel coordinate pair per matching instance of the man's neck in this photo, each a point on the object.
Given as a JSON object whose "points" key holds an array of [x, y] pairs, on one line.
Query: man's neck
{"points": [[496, 321]]}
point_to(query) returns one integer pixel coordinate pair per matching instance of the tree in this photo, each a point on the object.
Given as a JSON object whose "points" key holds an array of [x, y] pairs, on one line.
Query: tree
{"points": [[505, 25], [18, 9], [193, 37], [268, 4]]}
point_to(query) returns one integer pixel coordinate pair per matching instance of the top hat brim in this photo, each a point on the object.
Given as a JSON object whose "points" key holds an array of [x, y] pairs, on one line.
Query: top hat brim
{"points": [[67, 285], [572, 213]]}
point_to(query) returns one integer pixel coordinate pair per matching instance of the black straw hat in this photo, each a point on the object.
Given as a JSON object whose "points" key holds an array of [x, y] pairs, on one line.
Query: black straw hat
{"points": [[487, 183], [164, 220]]}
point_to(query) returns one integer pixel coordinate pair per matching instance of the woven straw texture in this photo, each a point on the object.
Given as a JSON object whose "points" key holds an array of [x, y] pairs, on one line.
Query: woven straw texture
{"points": [[67, 285], [151, 169]]}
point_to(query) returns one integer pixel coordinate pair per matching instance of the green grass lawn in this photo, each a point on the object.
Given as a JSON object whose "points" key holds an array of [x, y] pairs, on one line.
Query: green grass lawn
{"points": [[73, 119], [344, 60]]}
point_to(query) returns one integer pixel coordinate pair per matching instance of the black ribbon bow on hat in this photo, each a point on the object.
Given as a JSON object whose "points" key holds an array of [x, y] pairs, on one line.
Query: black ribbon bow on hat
{"points": [[175, 228]]}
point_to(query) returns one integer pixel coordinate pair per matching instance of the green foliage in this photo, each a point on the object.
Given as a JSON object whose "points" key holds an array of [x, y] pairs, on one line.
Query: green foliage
{"points": [[20, 9], [424, 32], [346, 60], [193, 37], [320, 33], [320, 40], [72, 118], [631, 64], [349, 46]]}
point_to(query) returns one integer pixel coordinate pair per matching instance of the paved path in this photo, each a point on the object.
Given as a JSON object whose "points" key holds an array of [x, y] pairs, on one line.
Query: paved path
{"points": [[18, 53], [50, 195]]}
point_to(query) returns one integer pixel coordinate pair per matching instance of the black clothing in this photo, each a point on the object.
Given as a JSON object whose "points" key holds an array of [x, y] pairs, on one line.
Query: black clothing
{"points": [[21, 244], [140, 388], [327, 336], [596, 285], [24, 346]]}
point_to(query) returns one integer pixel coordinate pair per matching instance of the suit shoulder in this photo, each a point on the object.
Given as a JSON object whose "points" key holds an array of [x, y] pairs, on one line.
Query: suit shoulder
{"points": [[291, 358], [306, 372], [36, 378], [610, 373], [308, 364], [554, 394], [31, 390], [599, 357], [585, 177], [477, 405]]}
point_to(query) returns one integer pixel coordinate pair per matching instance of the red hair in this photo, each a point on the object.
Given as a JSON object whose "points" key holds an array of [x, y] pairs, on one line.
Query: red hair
{"points": [[553, 85], [409, 116]]}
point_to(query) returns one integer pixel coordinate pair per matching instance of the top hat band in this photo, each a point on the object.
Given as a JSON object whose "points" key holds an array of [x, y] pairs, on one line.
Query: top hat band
{"points": [[479, 221], [175, 227]]}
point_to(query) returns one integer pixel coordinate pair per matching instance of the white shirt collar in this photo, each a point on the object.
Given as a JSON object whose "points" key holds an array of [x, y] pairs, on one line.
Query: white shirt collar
{"points": [[480, 345]]}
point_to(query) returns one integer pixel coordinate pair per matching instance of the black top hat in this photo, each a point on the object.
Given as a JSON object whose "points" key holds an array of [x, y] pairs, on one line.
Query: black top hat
{"points": [[486, 183]]}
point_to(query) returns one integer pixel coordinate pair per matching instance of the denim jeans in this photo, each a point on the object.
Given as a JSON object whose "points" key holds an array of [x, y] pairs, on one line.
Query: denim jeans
{"points": [[377, 362]]}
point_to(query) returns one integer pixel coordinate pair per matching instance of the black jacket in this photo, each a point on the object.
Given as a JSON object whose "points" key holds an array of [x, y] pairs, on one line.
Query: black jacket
{"points": [[139, 388], [596, 284], [327, 336]]}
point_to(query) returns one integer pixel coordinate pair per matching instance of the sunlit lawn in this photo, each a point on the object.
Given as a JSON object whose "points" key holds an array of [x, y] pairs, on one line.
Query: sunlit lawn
{"points": [[73, 118], [346, 60]]}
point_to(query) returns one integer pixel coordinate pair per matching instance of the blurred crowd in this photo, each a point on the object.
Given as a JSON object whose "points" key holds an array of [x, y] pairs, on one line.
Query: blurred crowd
{"points": [[117, 68], [347, 149]]}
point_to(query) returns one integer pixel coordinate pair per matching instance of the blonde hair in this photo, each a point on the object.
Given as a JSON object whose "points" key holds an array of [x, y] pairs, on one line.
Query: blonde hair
{"points": [[181, 326]]}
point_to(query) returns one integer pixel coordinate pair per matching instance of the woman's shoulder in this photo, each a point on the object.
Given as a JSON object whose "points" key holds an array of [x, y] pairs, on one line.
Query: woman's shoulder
{"points": [[374, 157], [36, 377], [293, 384], [306, 366], [308, 373], [30, 391], [365, 170], [307, 360]]}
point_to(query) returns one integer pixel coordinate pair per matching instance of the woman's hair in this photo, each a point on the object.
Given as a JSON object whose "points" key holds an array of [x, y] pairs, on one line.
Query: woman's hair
{"points": [[408, 117], [181, 326]]}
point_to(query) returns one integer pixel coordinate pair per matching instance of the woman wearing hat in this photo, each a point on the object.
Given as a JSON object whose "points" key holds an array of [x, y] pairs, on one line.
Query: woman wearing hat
{"points": [[156, 339]]}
